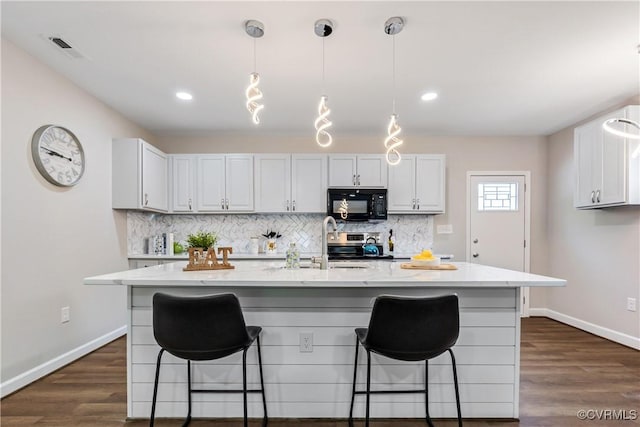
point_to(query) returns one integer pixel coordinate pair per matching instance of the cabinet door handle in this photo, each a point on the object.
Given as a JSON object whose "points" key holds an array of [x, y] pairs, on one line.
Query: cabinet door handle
{"points": [[227, 203], [418, 204], [222, 203], [146, 199], [287, 205], [358, 179], [293, 204], [190, 204], [475, 255], [353, 179], [413, 203], [597, 196], [593, 197]]}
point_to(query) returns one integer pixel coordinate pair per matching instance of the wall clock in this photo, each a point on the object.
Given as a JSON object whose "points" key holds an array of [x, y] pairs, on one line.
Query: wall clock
{"points": [[58, 155]]}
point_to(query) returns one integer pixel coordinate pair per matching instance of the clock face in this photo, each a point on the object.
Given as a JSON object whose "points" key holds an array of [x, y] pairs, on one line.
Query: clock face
{"points": [[58, 155]]}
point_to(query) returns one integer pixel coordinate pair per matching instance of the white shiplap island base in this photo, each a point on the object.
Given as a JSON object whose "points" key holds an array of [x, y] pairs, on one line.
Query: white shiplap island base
{"points": [[330, 304]]}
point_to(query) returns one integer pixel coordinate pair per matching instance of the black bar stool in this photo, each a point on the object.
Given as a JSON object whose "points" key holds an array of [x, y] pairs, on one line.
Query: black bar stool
{"points": [[409, 329], [204, 328]]}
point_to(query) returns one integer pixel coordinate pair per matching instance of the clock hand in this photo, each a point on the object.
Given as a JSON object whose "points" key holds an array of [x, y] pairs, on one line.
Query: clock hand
{"points": [[55, 153]]}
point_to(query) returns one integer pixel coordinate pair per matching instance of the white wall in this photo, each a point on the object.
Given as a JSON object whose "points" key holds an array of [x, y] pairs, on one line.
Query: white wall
{"points": [[597, 251], [53, 237], [463, 154]]}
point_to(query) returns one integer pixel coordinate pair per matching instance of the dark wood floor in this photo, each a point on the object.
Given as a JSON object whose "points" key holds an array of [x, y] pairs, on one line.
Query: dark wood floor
{"points": [[564, 370]]}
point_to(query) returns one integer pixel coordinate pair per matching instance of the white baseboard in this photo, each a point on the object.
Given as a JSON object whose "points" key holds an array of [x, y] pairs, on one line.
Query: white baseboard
{"points": [[610, 334], [26, 378]]}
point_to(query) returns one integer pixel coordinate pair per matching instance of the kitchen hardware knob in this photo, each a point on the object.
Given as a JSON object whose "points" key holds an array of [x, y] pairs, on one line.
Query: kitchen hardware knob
{"points": [[293, 205], [146, 199], [418, 204], [222, 203], [287, 206], [593, 197], [475, 240], [597, 196], [227, 203], [475, 255], [413, 203], [190, 204]]}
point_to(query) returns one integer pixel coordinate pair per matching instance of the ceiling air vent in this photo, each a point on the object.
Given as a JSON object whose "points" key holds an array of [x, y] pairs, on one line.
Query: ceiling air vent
{"points": [[66, 48]]}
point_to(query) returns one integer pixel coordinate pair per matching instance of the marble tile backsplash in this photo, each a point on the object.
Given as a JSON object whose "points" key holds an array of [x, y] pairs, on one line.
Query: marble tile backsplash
{"points": [[412, 232]]}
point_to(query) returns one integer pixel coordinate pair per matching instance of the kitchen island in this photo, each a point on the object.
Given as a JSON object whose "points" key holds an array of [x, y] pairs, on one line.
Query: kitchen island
{"points": [[328, 305]]}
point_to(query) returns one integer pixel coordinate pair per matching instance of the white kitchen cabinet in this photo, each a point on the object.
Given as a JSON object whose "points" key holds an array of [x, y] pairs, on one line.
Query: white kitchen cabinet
{"points": [[290, 183], [607, 166], [139, 176], [224, 183], [362, 170], [182, 171], [417, 184]]}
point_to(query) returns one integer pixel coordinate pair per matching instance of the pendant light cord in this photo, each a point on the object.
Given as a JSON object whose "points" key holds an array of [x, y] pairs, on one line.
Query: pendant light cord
{"points": [[323, 83], [393, 79], [254, 55]]}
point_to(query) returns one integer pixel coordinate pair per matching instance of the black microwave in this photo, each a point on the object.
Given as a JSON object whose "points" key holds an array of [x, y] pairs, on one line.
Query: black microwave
{"points": [[353, 204]]}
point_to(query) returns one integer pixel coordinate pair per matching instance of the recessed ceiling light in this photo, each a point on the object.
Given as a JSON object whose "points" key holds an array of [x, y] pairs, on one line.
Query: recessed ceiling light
{"points": [[429, 96], [185, 96]]}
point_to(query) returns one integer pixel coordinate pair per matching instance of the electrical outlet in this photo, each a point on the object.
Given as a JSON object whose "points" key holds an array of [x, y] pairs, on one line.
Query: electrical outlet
{"points": [[306, 342], [65, 315], [444, 229], [631, 304]]}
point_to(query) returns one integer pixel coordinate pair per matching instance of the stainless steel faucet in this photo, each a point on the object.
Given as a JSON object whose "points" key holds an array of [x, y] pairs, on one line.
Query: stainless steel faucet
{"points": [[324, 260]]}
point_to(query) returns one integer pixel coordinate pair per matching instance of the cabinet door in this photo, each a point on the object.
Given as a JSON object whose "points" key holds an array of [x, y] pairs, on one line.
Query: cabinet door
{"points": [[586, 151], [309, 183], [273, 182], [401, 193], [613, 185], [182, 183], [210, 172], [239, 182], [371, 171], [154, 178], [430, 183], [342, 170]]}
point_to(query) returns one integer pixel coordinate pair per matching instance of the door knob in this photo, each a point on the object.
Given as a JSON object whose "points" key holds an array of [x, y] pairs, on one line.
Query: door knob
{"points": [[475, 240], [475, 255]]}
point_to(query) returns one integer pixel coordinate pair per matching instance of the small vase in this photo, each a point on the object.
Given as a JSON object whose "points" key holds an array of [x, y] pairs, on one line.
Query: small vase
{"points": [[271, 246]]}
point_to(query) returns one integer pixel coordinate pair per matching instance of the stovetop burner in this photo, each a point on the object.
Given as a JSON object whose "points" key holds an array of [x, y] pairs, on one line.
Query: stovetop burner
{"points": [[351, 246]]}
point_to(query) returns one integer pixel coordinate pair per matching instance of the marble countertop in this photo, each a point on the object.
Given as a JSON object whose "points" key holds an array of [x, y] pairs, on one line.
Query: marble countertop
{"points": [[367, 274]]}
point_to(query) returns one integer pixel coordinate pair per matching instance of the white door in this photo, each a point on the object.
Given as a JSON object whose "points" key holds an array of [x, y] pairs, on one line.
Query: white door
{"points": [[402, 185], [498, 215], [371, 171], [273, 182], [154, 178], [430, 178], [239, 182], [342, 170], [309, 183], [182, 178], [210, 183]]}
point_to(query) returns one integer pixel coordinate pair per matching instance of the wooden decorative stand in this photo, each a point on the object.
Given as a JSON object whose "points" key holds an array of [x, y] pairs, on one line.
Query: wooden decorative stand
{"points": [[201, 259]]}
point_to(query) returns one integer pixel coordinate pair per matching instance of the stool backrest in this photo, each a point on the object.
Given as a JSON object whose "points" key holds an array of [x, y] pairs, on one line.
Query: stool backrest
{"points": [[211, 325], [409, 328]]}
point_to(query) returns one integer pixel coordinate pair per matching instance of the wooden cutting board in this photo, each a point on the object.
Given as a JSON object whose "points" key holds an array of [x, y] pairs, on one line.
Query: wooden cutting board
{"points": [[409, 266]]}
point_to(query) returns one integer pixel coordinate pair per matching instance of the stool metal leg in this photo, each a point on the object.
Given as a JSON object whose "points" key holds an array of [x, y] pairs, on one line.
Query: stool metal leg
{"points": [[265, 420], [244, 386], [188, 420], [426, 393], [155, 389], [353, 392], [455, 383], [366, 422]]}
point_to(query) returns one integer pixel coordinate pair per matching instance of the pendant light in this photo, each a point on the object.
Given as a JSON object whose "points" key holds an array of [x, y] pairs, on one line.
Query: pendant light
{"points": [[607, 125], [392, 27], [253, 93], [323, 28]]}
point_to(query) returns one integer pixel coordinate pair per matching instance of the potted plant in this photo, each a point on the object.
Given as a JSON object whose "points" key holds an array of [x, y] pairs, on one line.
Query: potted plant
{"points": [[202, 239]]}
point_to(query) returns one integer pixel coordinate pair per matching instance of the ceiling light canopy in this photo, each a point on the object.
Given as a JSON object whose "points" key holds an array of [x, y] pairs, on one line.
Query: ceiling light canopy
{"points": [[255, 29], [613, 126]]}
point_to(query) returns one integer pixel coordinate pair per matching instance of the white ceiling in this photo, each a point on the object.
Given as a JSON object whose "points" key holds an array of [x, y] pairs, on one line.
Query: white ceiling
{"points": [[500, 68]]}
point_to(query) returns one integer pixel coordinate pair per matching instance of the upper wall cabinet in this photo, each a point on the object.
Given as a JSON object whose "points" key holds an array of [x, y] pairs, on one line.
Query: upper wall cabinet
{"points": [[607, 166], [291, 183], [183, 176], [363, 170], [139, 176], [417, 184], [224, 183]]}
